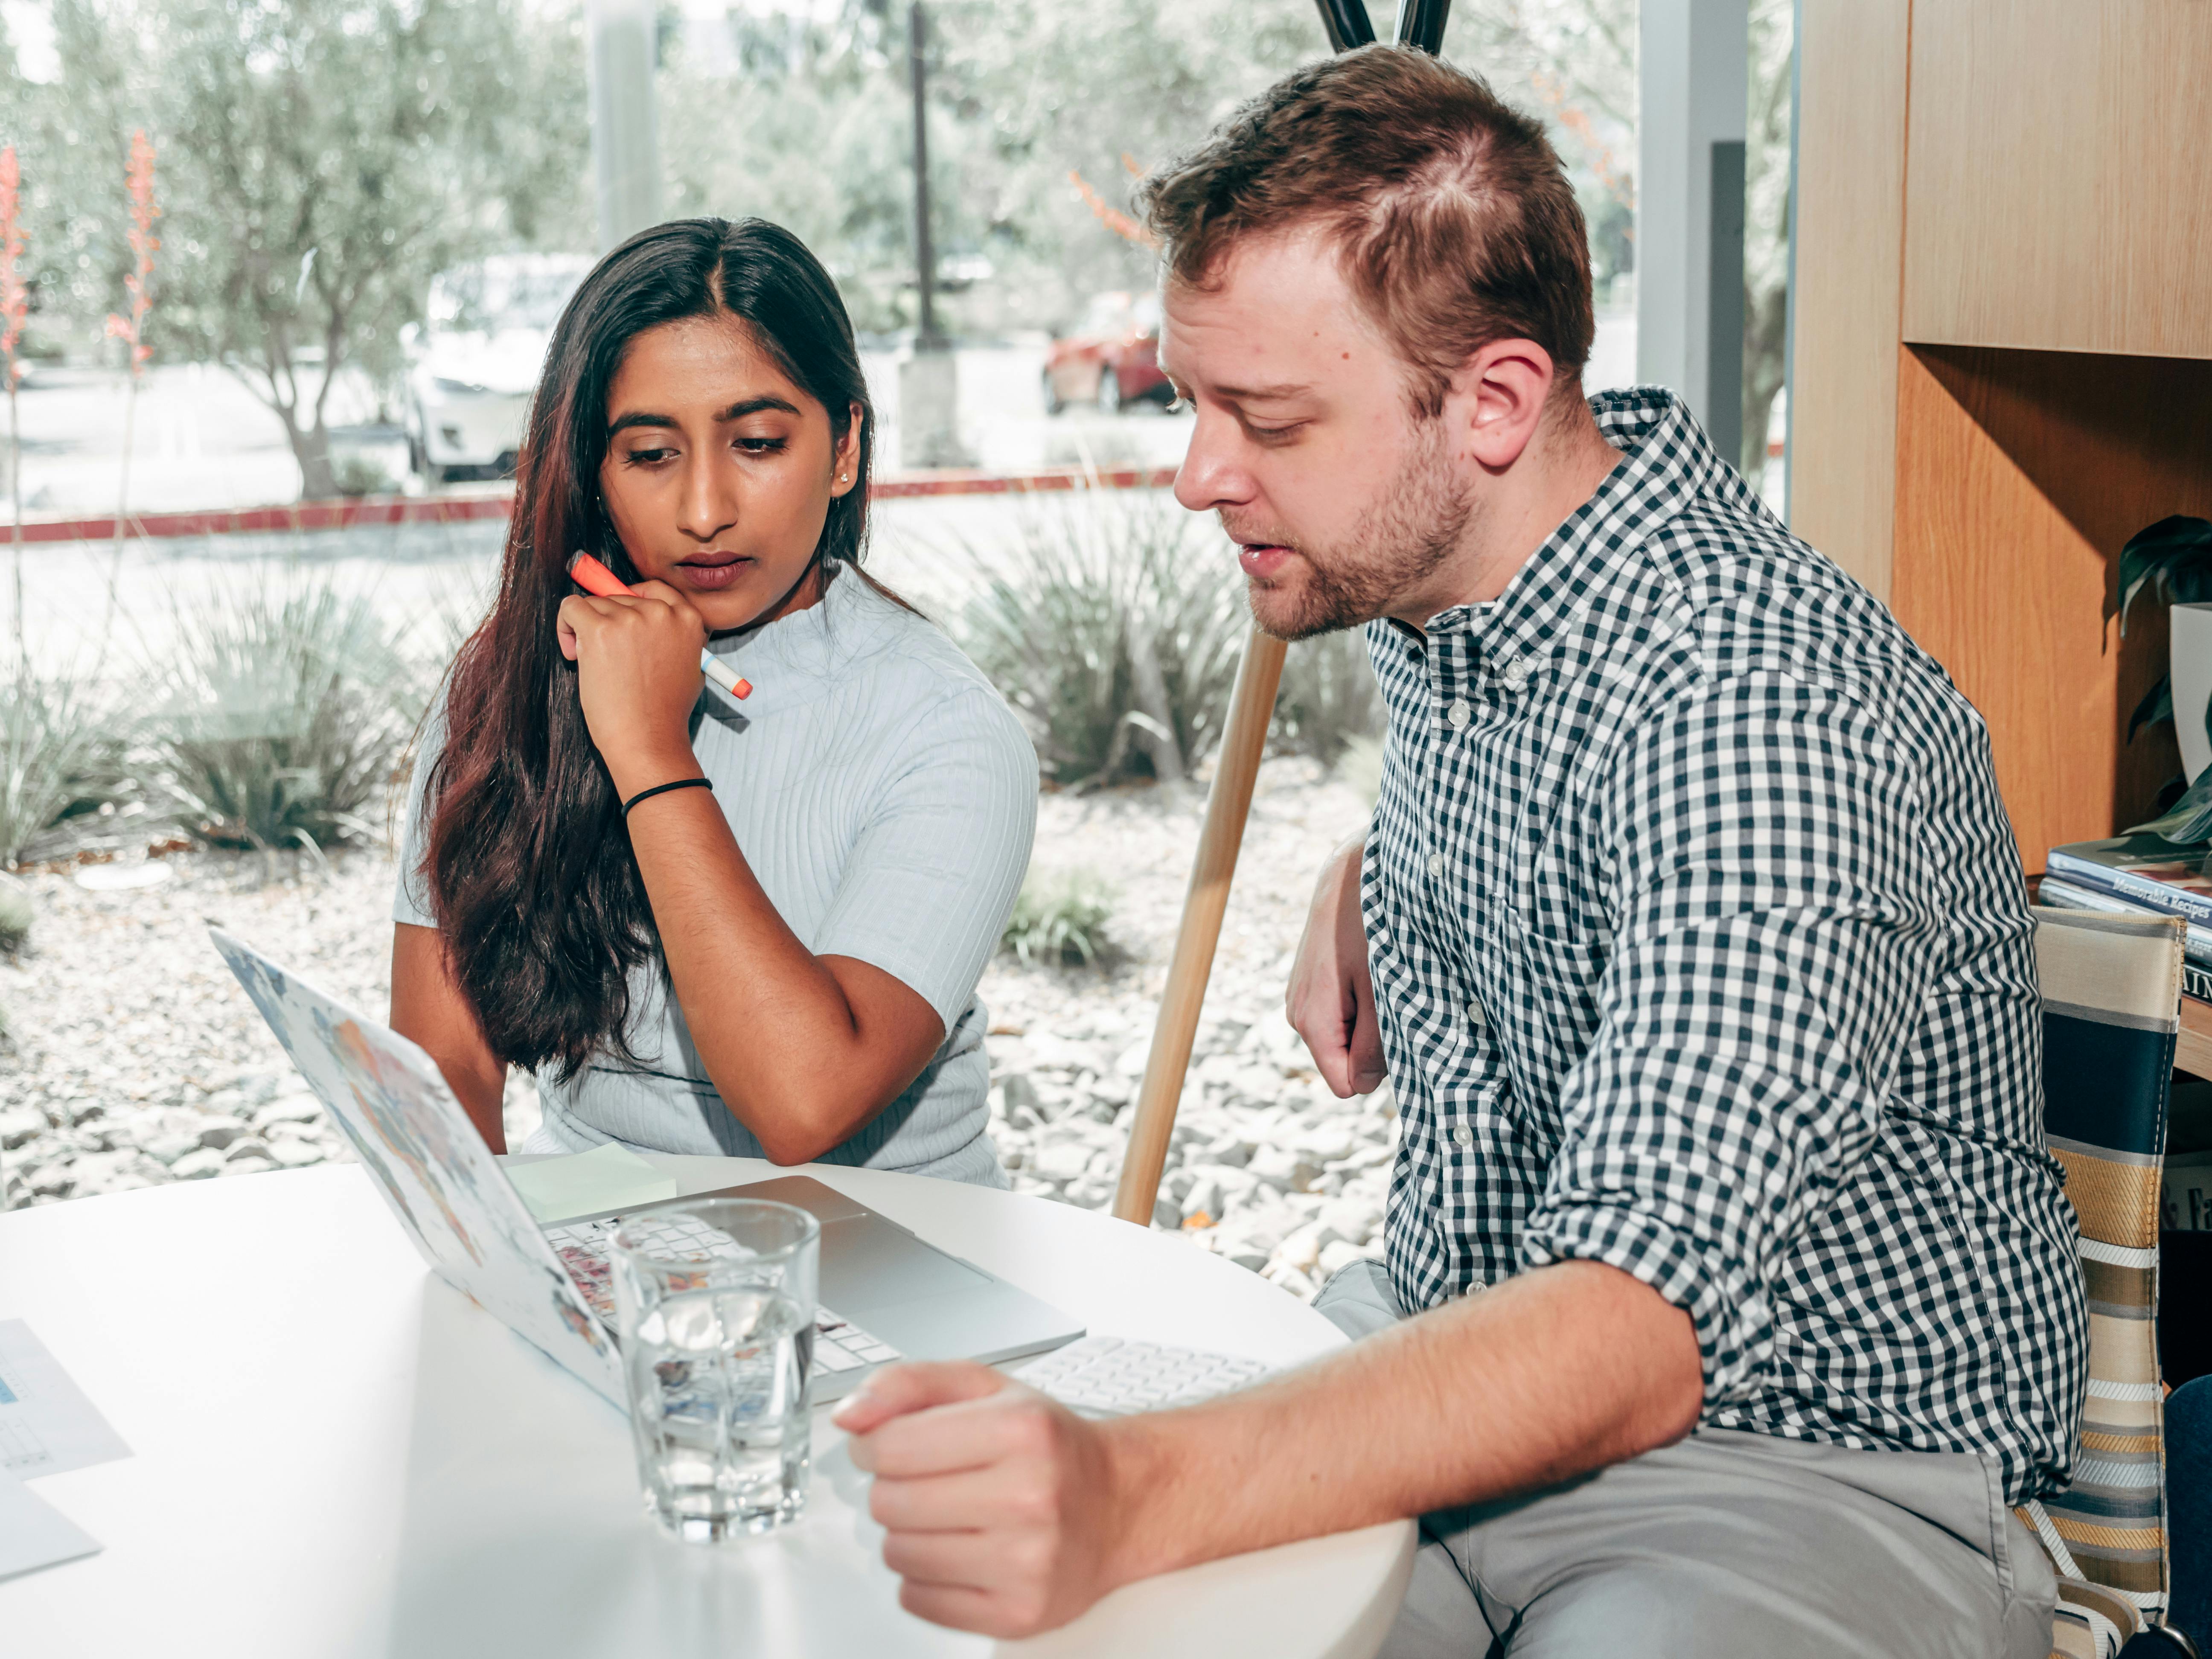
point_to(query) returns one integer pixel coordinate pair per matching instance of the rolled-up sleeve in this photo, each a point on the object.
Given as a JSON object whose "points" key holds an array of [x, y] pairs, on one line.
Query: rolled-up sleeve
{"points": [[1769, 893]]}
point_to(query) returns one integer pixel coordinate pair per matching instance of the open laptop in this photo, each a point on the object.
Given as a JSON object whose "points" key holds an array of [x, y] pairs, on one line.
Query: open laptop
{"points": [[895, 1296]]}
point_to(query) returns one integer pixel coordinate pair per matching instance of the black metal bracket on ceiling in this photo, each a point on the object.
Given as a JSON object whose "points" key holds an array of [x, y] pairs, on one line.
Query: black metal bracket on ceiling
{"points": [[1420, 23]]}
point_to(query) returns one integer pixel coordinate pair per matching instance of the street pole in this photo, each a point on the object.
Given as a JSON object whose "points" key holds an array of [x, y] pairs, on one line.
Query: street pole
{"points": [[929, 387], [625, 147], [925, 248]]}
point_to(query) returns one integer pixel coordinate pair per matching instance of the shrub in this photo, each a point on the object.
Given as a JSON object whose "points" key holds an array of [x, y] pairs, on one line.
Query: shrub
{"points": [[1329, 698], [284, 717], [363, 475], [15, 914], [1114, 628], [61, 748], [1060, 917]]}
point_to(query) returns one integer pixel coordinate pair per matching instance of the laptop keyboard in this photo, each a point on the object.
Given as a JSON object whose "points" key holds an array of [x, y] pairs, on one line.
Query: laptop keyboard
{"points": [[1095, 1375], [1112, 1375], [840, 1345]]}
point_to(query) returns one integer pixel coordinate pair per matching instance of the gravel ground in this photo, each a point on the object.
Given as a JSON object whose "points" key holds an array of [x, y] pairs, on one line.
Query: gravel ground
{"points": [[134, 1058]]}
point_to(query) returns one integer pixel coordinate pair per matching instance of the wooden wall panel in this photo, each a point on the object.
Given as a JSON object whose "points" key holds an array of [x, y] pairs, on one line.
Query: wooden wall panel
{"points": [[1848, 223], [2020, 475], [2059, 189]]}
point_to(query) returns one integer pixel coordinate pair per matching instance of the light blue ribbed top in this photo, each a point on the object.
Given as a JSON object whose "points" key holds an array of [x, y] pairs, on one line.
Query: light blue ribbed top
{"points": [[886, 797]]}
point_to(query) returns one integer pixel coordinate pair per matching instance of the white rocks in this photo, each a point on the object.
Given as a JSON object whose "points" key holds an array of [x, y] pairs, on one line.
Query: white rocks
{"points": [[1286, 1170], [1301, 1249], [19, 1125], [1203, 1197], [197, 1165], [290, 1109], [218, 1133], [1356, 1219], [1063, 1160], [168, 1147]]}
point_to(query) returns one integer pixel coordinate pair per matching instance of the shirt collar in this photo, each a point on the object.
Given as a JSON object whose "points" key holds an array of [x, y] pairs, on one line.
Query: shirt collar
{"points": [[1665, 460]]}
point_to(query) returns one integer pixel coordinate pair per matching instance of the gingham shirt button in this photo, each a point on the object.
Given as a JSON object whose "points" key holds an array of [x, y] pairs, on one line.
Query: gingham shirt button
{"points": [[1457, 713], [1462, 1136], [1475, 1014], [1516, 674], [1436, 864]]}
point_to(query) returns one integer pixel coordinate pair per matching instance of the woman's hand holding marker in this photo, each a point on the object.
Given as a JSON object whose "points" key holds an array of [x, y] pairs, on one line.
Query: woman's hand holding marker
{"points": [[635, 654], [587, 573]]}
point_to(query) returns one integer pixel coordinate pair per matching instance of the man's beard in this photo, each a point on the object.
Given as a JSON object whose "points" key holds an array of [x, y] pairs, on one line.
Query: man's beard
{"points": [[1420, 522]]}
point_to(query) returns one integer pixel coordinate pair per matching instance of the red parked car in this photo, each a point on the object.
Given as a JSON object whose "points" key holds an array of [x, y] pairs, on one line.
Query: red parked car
{"points": [[1110, 359]]}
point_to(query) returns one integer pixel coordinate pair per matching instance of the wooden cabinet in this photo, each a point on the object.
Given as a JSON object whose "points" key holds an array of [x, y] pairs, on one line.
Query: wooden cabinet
{"points": [[2058, 185], [2003, 354]]}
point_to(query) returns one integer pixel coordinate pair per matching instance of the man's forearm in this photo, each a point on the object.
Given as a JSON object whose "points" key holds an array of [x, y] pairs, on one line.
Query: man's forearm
{"points": [[1550, 1375]]}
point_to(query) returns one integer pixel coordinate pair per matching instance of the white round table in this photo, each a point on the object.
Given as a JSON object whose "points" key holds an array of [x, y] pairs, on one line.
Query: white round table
{"points": [[336, 1453]]}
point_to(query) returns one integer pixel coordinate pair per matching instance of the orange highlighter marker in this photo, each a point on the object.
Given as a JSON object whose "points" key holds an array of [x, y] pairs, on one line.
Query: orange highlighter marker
{"points": [[588, 574]]}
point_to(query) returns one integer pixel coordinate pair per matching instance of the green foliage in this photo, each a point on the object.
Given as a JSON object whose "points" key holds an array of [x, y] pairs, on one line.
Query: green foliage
{"points": [[363, 474], [1328, 698], [284, 717], [2173, 556], [1113, 629], [1020, 96], [1061, 918], [15, 914], [319, 161], [61, 748]]}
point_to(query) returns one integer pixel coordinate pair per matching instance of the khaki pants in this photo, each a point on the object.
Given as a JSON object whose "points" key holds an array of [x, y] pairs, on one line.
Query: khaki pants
{"points": [[1724, 1545]]}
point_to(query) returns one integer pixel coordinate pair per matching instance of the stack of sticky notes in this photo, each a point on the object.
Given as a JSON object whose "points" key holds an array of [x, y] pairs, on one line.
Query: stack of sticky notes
{"points": [[609, 1177]]}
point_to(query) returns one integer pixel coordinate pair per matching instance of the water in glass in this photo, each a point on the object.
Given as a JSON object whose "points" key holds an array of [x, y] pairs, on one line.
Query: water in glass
{"points": [[718, 1333]]}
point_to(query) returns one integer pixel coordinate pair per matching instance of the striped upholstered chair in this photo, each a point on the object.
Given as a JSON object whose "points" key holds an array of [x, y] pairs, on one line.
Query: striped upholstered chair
{"points": [[2112, 990]]}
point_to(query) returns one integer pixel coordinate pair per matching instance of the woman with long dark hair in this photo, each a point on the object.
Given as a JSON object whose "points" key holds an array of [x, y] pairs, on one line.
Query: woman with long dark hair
{"points": [[748, 928]]}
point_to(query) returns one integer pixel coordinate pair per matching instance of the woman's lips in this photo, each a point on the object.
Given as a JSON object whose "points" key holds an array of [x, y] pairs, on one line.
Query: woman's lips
{"points": [[1263, 561], [718, 573]]}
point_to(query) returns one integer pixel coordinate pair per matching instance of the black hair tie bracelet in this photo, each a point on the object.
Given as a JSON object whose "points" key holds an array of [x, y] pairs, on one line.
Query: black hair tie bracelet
{"points": [[663, 788]]}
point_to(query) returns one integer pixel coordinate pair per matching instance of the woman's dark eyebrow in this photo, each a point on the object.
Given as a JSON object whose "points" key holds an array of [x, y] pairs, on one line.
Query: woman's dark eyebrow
{"points": [[736, 411]]}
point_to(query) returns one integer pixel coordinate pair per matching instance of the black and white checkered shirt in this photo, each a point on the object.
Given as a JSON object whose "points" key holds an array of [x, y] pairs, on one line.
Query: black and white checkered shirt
{"points": [[1701, 949]]}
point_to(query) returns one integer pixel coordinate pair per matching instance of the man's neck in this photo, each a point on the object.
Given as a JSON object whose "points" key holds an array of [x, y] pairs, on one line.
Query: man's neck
{"points": [[1562, 467]]}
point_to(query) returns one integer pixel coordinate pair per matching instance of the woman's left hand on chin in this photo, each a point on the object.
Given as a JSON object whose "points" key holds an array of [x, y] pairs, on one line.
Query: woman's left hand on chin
{"points": [[637, 674]]}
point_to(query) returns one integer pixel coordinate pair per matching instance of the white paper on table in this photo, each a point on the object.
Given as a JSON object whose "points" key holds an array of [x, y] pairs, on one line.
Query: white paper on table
{"points": [[47, 1424], [33, 1533]]}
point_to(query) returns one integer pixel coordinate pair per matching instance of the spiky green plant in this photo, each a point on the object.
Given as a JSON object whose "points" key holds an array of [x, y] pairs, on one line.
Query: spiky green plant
{"points": [[1113, 627], [61, 748], [1329, 698], [283, 717], [1060, 918]]}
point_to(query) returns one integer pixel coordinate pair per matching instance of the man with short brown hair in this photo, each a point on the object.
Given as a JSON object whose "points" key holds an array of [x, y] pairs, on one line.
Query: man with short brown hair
{"points": [[1731, 1295]]}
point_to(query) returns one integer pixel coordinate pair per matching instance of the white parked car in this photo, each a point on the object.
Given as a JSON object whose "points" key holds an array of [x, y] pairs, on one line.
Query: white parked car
{"points": [[476, 360]]}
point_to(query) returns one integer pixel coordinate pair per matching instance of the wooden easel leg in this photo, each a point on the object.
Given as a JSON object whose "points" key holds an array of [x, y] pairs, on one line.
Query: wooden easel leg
{"points": [[1250, 707]]}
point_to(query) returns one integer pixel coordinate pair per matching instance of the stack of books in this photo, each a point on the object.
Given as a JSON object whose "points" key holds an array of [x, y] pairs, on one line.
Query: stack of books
{"points": [[2140, 875]]}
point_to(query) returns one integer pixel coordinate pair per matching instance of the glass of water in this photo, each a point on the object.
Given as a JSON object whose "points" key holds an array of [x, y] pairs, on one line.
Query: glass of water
{"points": [[716, 1299]]}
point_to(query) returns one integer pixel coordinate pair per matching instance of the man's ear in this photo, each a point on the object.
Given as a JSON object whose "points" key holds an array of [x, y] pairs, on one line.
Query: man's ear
{"points": [[1497, 400]]}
